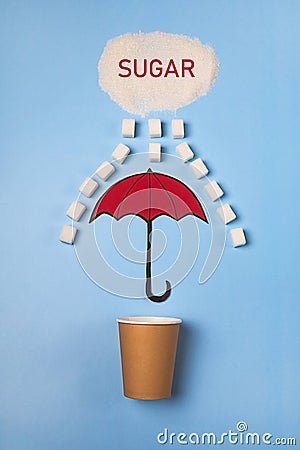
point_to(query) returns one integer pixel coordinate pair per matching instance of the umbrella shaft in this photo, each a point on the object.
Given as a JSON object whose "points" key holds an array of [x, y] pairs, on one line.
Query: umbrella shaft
{"points": [[149, 257], [150, 295]]}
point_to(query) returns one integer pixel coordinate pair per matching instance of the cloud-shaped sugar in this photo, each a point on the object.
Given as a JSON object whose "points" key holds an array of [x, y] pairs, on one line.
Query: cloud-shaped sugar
{"points": [[157, 71]]}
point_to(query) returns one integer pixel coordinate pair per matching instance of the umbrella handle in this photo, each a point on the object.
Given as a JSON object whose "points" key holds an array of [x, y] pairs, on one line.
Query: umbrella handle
{"points": [[149, 293], [157, 298]]}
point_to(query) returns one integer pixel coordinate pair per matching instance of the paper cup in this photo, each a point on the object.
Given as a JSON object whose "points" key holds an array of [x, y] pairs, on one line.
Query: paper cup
{"points": [[148, 350]]}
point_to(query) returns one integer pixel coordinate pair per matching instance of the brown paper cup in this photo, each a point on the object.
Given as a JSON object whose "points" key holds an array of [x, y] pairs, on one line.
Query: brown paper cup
{"points": [[148, 350]]}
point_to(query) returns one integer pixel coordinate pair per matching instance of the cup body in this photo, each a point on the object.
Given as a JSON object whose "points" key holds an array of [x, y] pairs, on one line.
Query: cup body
{"points": [[148, 350]]}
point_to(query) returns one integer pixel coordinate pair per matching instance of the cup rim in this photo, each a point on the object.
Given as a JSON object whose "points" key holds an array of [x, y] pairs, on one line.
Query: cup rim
{"points": [[149, 320]]}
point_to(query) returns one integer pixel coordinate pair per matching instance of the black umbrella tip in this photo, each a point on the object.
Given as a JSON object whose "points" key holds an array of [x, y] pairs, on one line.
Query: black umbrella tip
{"points": [[149, 170]]}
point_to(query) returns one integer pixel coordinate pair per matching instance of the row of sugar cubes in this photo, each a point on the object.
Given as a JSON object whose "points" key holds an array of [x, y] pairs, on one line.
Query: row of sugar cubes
{"points": [[155, 128], [213, 191]]}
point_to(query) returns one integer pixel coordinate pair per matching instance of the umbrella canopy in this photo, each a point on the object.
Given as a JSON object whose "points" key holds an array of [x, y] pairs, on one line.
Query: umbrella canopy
{"points": [[149, 195]]}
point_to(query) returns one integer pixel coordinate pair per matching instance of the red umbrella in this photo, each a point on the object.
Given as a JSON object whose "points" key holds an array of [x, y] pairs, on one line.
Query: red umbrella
{"points": [[149, 195]]}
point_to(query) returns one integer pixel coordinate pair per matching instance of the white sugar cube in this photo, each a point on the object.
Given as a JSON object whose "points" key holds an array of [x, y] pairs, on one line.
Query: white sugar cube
{"points": [[105, 170], [226, 213], [120, 153], [128, 128], [198, 168], [154, 128], [213, 190], [68, 234], [76, 210], [184, 151], [88, 187], [177, 129], [154, 152], [237, 236]]}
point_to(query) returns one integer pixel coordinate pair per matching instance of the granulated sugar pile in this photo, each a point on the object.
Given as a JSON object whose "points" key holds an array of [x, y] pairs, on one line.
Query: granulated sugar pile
{"points": [[141, 95]]}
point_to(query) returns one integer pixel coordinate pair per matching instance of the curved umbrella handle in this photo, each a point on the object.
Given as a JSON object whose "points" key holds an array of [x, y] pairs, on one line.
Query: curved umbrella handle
{"points": [[150, 295], [157, 298]]}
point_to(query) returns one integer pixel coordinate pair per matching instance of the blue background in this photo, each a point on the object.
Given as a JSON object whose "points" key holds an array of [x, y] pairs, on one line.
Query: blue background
{"points": [[238, 356]]}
